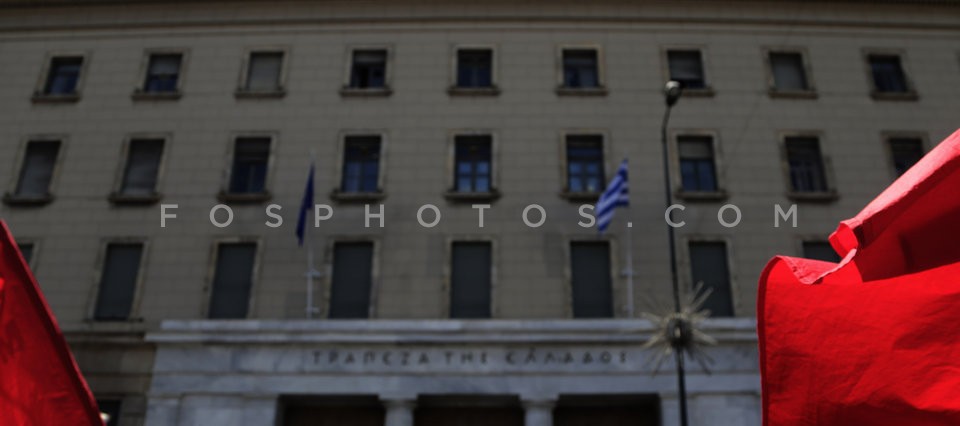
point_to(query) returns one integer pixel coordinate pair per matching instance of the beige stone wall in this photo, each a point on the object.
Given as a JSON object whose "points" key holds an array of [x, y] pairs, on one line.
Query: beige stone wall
{"points": [[528, 119]]}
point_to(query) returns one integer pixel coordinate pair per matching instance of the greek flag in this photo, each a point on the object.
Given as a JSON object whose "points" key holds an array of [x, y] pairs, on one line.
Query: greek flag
{"points": [[614, 196]]}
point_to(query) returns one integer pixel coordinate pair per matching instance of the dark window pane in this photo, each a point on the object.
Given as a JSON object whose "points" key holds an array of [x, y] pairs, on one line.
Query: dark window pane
{"points": [[143, 164], [580, 68], [26, 250], [591, 280], [708, 264], [470, 280], [888, 75], [232, 280], [347, 410], [806, 164], [352, 280], [63, 75], [118, 281], [250, 159], [473, 160], [788, 71], [369, 70], [361, 164], [686, 67], [163, 73], [110, 407], [585, 163], [37, 170], [905, 152], [474, 68], [820, 250], [697, 167], [263, 73]]}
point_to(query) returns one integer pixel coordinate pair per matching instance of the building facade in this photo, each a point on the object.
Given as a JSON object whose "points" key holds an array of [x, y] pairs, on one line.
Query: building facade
{"points": [[156, 152]]}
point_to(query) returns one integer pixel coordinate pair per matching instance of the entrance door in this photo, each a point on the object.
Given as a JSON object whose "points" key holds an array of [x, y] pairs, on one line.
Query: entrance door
{"points": [[333, 411], [607, 410], [468, 411]]}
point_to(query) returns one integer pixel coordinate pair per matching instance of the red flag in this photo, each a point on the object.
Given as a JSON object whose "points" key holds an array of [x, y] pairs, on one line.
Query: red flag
{"points": [[874, 339], [40, 384]]}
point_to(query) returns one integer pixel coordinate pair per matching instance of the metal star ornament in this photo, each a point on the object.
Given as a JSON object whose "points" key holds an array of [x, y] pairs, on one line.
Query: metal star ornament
{"points": [[680, 331]]}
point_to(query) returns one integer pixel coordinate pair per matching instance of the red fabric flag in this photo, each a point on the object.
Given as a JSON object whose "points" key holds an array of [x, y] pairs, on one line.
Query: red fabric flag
{"points": [[874, 339], [40, 384]]}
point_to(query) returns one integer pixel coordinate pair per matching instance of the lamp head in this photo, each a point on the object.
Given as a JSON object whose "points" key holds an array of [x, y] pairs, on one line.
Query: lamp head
{"points": [[672, 92]]}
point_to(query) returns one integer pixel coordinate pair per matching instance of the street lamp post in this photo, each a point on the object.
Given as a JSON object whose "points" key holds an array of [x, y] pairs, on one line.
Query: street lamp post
{"points": [[672, 93]]}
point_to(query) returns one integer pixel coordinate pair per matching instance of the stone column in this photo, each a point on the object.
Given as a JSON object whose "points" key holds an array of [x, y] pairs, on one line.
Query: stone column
{"points": [[162, 410], [538, 412], [399, 411]]}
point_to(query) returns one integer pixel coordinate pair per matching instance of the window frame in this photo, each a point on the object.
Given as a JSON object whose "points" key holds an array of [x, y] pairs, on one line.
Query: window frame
{"points": [[244, 92], [455, 90], [211, 274], [116, 196], [618, 280], [608, 170], [707, 89], [800, 240], [346, 90], [94, 294], [39, 92], [447, 273], [323, 305], [676, 175], [887, 135], [225, 194], [563, 90], [337, 193], [909, 95], [685, 267], [34, 251], [831, 194], [11, 197], [772, 91], [140, 93], [451, 192]]}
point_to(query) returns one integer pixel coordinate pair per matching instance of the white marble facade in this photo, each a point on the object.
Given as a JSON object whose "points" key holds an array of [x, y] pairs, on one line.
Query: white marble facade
{"points": [[234, 373]]}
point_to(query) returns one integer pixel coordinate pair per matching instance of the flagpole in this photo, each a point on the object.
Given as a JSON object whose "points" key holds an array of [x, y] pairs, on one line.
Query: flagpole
{"points": [[311, 272], [630, 302]]}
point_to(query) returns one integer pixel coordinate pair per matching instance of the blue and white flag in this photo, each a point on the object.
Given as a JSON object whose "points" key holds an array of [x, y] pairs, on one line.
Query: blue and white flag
{"points": [[305, 206], [614, 196]]}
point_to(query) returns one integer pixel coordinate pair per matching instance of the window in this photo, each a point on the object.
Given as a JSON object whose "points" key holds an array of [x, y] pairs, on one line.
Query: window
{"points": [[591, 280], [708, 265], [250, 158], [352, 280], [806, 164], [789, 72], [581, 69], [686, 67], [26, 250], [163, 73], [585, 163], [905, 152], [697, 167], [361, 164], [820, 250], [888, 75], [110, 407], [473, 164], [470, 280], [475, 68], [232, 280], [118, 281], [63, 76], [36, 174], [369, 69], [142, 168], [264, 71]]}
